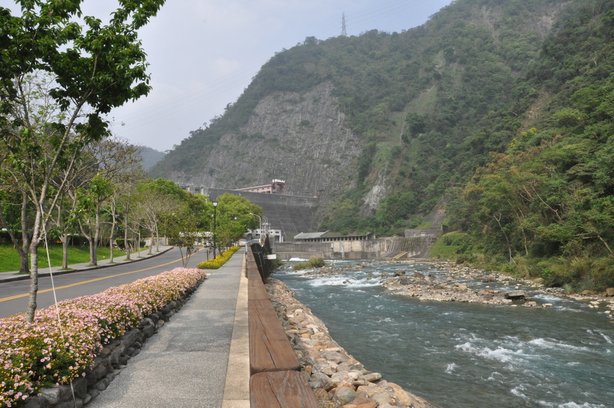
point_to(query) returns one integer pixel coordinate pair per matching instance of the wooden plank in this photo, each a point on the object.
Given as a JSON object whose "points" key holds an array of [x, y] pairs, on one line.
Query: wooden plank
{"points": [[256, 291], [269, 348], [281, 389]]}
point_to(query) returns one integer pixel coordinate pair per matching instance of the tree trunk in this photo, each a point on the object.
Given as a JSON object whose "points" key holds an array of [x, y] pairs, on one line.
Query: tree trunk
{"points": [[507, 241], [33, 282], [94, 246], [24, 265], [31, 311], [111, 236], [157, 240], [25, 240], [92, 250], [152, 234], [64, 239], [138, 243], [126, 244], [111, 260]]}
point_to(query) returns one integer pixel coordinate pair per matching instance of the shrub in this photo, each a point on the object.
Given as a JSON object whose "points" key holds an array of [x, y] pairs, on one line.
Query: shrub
{"points": [[219, 260], [310, 264], [452, 245], [39, 354]]}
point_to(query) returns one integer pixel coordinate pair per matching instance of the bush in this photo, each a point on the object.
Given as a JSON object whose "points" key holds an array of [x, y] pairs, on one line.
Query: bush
{"points": [[453, 246], [36, 355], [219, 260], [310, 264], [578, 274]]}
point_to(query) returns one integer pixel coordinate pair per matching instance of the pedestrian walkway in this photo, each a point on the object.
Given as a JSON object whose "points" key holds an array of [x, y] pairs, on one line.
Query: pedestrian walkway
{"points": [[186, 363], [102, 263]]}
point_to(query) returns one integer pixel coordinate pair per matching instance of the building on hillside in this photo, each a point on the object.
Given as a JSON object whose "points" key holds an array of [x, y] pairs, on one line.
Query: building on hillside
{"points": [[276, 186], [328, 236]]}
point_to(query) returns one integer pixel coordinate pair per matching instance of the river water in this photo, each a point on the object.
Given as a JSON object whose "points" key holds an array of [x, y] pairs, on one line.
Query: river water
{"points": [[466, 355]]}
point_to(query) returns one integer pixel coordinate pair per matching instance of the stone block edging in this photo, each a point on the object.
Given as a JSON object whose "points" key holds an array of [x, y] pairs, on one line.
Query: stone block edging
{"points": [[108, 363]]}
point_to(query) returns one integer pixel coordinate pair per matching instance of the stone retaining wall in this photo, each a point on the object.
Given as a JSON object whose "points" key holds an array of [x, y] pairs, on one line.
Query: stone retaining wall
{"points": [[107, 365]]}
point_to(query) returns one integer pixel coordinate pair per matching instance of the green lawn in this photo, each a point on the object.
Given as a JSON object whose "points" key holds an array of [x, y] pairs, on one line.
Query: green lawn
{"points": [[9, 258]]}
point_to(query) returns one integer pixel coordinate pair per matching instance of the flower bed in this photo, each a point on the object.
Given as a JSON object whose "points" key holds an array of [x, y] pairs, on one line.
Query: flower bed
{"points": [[42, 354], [219, 260]]}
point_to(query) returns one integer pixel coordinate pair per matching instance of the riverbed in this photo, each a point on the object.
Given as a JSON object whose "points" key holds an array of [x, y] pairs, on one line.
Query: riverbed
{"points": [[466, 354]]}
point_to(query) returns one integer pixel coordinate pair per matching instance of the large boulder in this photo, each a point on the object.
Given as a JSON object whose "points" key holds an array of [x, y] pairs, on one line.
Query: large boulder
{"points": [[516, 295]]}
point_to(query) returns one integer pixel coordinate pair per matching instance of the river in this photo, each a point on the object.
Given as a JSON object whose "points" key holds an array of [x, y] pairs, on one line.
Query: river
{"points": [[466, 355]]}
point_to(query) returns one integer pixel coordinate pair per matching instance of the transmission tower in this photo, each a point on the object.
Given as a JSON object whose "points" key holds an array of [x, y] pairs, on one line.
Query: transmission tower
{"points": [[343, 28]]}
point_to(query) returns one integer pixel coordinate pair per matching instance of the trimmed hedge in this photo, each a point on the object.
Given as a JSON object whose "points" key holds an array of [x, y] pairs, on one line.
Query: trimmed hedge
{"points": [[219, 260], [40, 354]]}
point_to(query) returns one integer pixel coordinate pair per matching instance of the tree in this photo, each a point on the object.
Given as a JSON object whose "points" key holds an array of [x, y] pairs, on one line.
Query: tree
{"points": [[235, 215], [58, 78], [156, 201], [89, 208]]}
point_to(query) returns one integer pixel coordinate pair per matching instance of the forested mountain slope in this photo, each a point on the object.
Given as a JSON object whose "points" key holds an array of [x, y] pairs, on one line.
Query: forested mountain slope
{"points": [[387, 126], [546, 204]]}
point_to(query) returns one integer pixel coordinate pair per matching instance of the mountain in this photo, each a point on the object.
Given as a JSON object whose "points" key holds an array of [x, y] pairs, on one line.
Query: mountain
{"points": [[387, 128], [149, 157], [380, 124]]}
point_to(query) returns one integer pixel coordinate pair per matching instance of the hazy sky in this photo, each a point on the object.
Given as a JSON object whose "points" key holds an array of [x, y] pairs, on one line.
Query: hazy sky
{"points": [[204, 53]]}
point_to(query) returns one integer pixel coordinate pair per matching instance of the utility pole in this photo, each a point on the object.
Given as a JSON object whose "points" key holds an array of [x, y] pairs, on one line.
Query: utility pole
{"points": [[344, 32]]}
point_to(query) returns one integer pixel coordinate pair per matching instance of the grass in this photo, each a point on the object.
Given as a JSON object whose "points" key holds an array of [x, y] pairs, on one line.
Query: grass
{"points": [[9, 258]]}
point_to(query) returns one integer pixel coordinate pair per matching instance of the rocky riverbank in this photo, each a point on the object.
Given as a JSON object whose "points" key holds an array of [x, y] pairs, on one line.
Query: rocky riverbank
{"points": [[463, 284], [448, 282], [338, 379]]}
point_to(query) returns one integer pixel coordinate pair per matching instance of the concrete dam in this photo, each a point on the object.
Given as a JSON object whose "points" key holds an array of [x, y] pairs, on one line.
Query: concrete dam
{"points": [[291, 214]]}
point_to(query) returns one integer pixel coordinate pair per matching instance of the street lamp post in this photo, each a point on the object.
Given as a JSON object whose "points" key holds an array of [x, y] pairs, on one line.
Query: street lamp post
{"points": [[214, 225]]}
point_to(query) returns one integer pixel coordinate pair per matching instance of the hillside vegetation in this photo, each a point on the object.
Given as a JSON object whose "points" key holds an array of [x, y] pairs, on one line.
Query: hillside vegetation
{"points": [[499, 111], [546, 204]]}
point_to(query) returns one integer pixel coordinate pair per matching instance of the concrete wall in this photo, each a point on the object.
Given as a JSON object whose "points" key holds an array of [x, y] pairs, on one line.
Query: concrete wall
{"points": [[402, 248]]}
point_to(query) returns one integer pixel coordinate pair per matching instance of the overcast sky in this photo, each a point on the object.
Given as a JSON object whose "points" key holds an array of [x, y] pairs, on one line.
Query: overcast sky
{"points": [[204, 53]]}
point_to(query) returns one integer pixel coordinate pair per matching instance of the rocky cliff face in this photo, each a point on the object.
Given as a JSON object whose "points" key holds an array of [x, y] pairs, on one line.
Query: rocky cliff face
{"points": [[298, 137]]}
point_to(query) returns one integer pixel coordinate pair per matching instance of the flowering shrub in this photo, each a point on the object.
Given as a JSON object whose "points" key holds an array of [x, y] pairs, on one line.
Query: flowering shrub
{"points": [[219, 260], [42, 354]]}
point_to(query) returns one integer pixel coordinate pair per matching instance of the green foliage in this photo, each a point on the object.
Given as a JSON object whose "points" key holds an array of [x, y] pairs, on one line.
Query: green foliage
{"points": [[453, 246], [235, 215], [310, 264], [508, 118], [548, 200], [219, 260]]}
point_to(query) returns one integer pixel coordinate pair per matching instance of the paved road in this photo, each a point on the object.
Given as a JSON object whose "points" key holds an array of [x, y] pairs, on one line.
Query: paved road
{"points": [[14, 295], [185, 364]]}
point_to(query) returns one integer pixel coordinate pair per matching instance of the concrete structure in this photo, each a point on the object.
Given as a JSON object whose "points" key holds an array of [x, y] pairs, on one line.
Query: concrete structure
{"points": [[290, 214], [275, 187], [328, 236], [338, 248], [274, 234]]}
